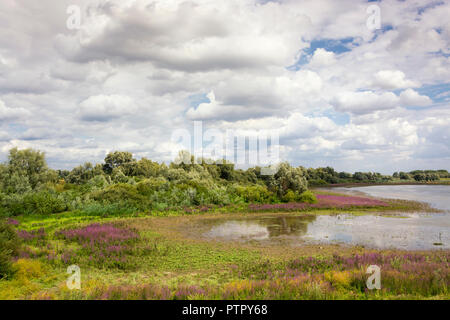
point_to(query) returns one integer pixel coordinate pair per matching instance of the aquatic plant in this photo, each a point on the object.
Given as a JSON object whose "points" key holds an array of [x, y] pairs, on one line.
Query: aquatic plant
{"points": [[12, 222], [38, 234], [104, 245], [324, 201]]}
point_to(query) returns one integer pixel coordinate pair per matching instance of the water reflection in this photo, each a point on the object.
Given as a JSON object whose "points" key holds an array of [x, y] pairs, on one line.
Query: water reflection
{"points": [[259, 228], [411, 233]]}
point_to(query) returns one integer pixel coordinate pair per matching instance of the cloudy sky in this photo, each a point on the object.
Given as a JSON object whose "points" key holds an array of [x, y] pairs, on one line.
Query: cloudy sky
{"points": [[337, 91]]}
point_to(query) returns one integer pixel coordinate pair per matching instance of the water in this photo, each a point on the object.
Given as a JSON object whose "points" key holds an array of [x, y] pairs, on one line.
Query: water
{"points": [[438, 196], [414, 231]]}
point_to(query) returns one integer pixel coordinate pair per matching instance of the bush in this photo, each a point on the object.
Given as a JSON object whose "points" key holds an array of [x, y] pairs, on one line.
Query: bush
{"points": [[124, 194], [42, 202], [290, 196], [45, 202], [149, 186], [288, 178], [308, 197], [98, 182], [28, 269], [9, 246], [252, 194]]}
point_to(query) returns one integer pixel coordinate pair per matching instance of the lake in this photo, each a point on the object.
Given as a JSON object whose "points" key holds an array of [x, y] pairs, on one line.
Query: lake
{"points": [[410, 231], [438, 196]]}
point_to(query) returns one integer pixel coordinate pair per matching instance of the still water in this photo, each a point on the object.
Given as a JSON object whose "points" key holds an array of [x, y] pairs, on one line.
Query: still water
{"points": [[414, 231], [437, 196]]}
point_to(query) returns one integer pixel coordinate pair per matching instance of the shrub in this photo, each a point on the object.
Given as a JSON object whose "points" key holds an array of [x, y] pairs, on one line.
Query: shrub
{"points": [[99, 182], [308, 197], [45, 202], [124, 194], [28, 269], [9, 246], [255, 193], [148, 186], [288, 178], [42, 202], [290, 196]]}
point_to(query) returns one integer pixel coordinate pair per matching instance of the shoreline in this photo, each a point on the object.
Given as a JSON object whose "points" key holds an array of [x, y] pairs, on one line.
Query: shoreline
{"points": [[363, 184]]}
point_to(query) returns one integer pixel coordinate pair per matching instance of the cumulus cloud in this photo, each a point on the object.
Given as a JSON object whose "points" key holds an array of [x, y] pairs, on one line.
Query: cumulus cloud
{"points": [[393, 79], [322, 58], [217, 110], [104, 108], [189, 36], [137, 70], [7, 113], [410, 97], [364, 102], [368, 101]]}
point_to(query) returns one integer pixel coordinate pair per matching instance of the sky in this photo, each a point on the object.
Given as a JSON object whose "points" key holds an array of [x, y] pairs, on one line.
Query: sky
{"points": [[338, 88]]}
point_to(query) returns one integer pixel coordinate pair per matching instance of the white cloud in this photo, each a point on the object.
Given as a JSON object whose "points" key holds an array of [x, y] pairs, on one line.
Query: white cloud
{"points": [[392, 79], [139, 69], [103, 107], [322, 58], [409, 97], [364, 102], [7, 113]]}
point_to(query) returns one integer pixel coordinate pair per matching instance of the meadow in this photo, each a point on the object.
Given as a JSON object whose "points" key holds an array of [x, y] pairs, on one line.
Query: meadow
{"points": [[132, 228], [147, 256]]}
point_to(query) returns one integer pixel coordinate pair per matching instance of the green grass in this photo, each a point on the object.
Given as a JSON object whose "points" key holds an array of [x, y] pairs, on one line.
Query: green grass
{"points": [[174, 258]]}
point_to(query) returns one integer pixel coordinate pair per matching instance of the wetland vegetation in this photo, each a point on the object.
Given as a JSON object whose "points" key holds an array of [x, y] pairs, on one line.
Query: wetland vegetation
{"points": [[143, 230]]}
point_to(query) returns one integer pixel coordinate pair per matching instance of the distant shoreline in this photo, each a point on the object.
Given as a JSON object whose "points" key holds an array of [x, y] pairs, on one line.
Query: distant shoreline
{"points": [[364, 184]]}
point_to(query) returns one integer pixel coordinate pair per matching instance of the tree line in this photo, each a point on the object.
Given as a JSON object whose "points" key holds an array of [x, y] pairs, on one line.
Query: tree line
{"points": [[124, 184]]}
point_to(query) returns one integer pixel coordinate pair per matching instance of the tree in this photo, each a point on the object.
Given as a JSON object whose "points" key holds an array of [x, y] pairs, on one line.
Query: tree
{"points": [[146, 168], [360, 176], [3, 177], [116, 159], [118, 176], [30, 164], [288, 178], [345, 175], [404, 175], [81, 174], [226, 170]]}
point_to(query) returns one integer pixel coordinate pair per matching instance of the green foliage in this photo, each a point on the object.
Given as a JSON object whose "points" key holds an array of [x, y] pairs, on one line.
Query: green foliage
{"points": [[404, 176], [123, 194], [9, 246], [254, 193], [419, 176], [27, 186], [146, 168], [308, 197], [117, 159], [148, 187], [290, 196], [98, 182], [31, 164], [288, 178], [40, 202], [118, 176], [82, 174]]}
